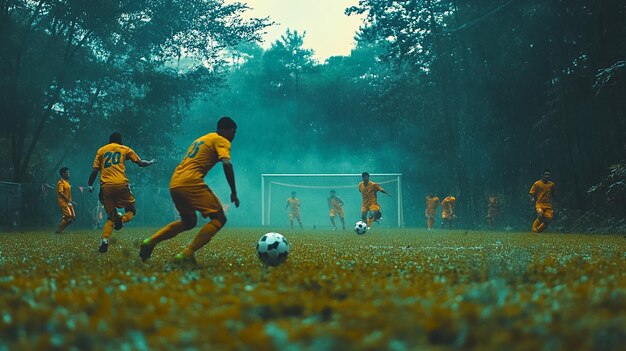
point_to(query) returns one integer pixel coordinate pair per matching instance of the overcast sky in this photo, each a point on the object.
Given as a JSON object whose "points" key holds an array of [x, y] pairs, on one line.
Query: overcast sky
{"points": [[328, 31]]}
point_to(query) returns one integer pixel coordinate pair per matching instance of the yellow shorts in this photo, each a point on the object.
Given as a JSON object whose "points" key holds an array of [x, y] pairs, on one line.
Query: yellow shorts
{"points": [[546, 212], [337, 212], [446, 215], [294, 214], [114, 197], [189, 199], [371, 207], [67, 211]]}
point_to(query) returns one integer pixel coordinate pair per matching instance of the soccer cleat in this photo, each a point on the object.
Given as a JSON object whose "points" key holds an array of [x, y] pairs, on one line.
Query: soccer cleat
{"points": [[104, 246], [118, 222], [183, 260], [146, 249]]}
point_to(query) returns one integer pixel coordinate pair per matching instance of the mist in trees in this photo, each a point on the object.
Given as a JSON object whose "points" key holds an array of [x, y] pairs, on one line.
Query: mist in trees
{"points": [[462, 98]]}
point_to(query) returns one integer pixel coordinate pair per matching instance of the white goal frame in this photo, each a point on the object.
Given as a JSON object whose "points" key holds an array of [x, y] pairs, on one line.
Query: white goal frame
{"points": [[265, 208]]}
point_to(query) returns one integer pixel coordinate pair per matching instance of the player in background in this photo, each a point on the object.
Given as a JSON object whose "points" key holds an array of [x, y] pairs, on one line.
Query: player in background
{"points": [[493, 210], [190, 193], [432, 202], [335, 204], [114, 188], [293, 205], [541, 193], [370, 209], [447, 211], [64, 199]]}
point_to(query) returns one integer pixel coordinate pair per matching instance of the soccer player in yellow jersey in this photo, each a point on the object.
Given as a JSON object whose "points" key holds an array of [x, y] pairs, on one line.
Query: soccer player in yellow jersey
{"points": [[541, 193], [190, 193], [447, 211], [64, 199], [335, 204], [114, 189], [432, 202], [370, 209], [493, 210], [293, 205]]}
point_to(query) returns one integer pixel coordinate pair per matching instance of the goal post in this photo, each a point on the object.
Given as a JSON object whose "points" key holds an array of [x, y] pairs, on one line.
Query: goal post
{"points": [[273, 184]]}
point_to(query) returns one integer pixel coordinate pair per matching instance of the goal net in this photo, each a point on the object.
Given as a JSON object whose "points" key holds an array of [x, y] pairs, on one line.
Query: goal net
{"points": [[313, 190]]}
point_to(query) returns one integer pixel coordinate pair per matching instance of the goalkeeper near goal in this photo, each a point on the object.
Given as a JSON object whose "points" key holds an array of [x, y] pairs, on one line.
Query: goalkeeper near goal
{"points": [[370, 209]]}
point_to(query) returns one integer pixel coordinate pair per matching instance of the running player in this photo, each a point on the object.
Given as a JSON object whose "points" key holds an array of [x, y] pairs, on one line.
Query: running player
{"points": [[370, 209], [432, 202], [493, 210], [114, 188], [541, 193], [64, 199], [190, 193], [293, 205], [335, 204], [447, 211]]}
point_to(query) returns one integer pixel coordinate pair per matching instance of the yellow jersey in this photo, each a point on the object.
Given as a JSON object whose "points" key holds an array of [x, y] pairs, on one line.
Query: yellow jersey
{"points": [[204, 153], [542, 192], [368, 192], [447, 205], [335, 203], [431, 204], [294, 204], [64, 187], [110, 162]]}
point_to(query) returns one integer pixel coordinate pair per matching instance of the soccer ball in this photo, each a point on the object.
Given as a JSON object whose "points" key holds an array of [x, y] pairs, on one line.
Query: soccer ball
{"points": [[272, 249], [360, 227]]}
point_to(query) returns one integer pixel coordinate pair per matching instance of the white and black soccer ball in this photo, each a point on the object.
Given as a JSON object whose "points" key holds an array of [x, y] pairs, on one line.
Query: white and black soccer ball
{"points": [[272, 249], [360, 227]]}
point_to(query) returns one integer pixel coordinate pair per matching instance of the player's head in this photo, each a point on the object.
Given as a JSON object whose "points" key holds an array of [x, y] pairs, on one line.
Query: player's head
{"points": [[227, 128], [293, 194], [332, 192], [115, 138], [64, 172], [365, 176], [546, 174]]}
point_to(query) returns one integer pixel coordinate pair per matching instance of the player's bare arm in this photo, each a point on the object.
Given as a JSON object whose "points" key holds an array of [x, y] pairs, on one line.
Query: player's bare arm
{"points": [[230, 178], [144, 163], [92, 179]]}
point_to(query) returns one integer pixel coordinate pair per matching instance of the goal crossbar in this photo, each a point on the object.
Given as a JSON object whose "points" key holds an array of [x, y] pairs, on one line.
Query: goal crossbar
{"points": [[265, 176]]}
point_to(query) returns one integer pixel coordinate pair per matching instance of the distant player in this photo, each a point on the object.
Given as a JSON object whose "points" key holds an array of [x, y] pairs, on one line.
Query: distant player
{"points": [[447, 211], [293, 205], [493, 210], [335, 205], [370, 209], [542, 192], [432, 203], [191, 194], [114, 188], [64, 199]]}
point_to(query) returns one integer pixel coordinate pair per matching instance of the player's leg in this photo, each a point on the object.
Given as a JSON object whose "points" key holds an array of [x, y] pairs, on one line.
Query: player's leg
{"points": [[206, 233], [299, 221], [343, 220], [210, 206], [548, 215], [124, 199], [188, 220], [107, 197], [332, 220]]}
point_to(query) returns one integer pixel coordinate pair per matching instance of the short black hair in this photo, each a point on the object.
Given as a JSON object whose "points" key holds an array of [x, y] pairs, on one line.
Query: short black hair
{"points": [[332, 191], [63, 170], [226, 123], [116, 137], [547, 170], [365, 174], [293, 192]]}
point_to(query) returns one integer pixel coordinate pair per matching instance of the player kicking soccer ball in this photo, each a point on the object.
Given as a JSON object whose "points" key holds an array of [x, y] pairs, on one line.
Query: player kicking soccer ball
{"points": [[190, 193]]}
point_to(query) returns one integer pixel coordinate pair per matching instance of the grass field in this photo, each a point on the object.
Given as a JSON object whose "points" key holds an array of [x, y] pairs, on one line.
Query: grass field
{"points": [[392, 289]]}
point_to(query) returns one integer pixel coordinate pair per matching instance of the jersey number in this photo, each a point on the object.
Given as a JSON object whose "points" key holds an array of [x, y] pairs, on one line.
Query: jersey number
{"points": [[112, 158], [193, 150]]}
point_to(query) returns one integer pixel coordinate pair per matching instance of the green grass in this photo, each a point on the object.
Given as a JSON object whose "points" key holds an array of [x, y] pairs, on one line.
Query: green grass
{"points": [[388, 289]]}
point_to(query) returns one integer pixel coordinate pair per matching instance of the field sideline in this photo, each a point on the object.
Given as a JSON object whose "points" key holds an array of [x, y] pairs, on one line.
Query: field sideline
{"points": [[389, 289]]}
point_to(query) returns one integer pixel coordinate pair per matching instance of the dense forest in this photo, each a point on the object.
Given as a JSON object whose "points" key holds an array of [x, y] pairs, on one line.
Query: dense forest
{"points": [[462, 98]]}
